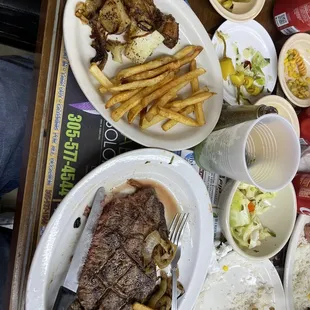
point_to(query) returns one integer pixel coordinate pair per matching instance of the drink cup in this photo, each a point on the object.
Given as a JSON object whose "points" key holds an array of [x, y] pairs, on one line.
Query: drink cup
{"points": [[264, 152]]}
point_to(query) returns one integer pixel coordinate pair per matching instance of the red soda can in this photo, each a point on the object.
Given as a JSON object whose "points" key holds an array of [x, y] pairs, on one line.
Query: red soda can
{"points": [[292, 16]]}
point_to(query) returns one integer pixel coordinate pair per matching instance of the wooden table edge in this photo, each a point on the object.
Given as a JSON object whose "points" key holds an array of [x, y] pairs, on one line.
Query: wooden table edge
{"points": [[34, 154]]}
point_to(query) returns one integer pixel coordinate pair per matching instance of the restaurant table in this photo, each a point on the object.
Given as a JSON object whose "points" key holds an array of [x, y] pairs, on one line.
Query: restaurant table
{"points": [[37, 135]]}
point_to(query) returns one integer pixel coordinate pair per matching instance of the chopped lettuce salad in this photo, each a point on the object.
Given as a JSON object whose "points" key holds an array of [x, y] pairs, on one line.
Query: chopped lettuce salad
{"points": [[247, 73], [251, 67], [248, 203]]}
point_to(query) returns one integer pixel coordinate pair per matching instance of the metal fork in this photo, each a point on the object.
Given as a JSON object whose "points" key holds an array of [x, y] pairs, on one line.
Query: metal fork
{"points": [[175, 235]]}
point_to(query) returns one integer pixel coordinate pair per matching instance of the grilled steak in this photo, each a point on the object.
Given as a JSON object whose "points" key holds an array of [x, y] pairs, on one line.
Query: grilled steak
{"points": [[76, 305], [115, 16], [149, 18], [113, 276], [170, 31], [144, 12], [99, 42]]}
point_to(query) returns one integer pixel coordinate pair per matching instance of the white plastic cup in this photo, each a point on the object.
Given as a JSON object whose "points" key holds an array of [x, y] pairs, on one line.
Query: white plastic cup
{"points": [[271, 145]]}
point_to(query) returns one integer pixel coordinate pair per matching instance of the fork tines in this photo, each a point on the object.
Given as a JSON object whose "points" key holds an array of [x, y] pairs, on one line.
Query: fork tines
{"points": [[177, 227]]}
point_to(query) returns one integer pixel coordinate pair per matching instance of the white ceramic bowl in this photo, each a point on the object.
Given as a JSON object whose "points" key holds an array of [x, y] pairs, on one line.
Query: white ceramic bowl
{"points": [[241, 12], [280, 219], [300, 41]]}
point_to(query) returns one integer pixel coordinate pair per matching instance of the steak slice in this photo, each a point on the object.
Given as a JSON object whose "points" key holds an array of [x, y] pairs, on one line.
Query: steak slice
{"points": [[170, 31], [113, 276], [149, 18], [76, 306], [144, 12]]}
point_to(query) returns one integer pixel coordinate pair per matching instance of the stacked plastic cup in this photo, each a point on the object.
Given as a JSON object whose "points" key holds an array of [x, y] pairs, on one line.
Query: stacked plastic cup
{"points": [[263, 152]]}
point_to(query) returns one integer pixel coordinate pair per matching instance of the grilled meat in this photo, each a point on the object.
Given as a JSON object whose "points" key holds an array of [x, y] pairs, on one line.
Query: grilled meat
{"points": [[113, 276], [115, 16], [76, 305], [90, 8], [99, 42], [144, 12], [170, 31], [149, 18]]}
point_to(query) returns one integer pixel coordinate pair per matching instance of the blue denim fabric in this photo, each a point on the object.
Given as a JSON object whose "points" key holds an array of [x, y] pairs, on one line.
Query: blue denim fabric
{"points": [[5, 240], [15, 84]]}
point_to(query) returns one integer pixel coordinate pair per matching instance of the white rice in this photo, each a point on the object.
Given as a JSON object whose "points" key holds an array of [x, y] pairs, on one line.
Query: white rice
{"points": [[259, 296], [301, 277], [250, 290]]}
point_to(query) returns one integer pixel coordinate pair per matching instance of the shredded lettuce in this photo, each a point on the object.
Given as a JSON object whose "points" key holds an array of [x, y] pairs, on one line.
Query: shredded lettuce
{"points": [[248, 52], [235, 48], [250, 62], [239, 212], [257, 71], [259, 61], [248, 203], [237, 233], [243, 186], [265, 233], [260, 81], [239, 67], [246, 71]]}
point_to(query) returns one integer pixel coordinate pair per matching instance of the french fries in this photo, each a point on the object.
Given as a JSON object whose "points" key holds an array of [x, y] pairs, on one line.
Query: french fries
{"points": [[121, 97], [144, 123], [159, 92], [163, 100], [192, 99], [127, 105], [136, 99], [195, 87], [144, 67], [140, 84], [142, 116], [175, 65], [178, 117], [190, 58], [99, 76], [172, 66], [103, 90], [169, 124], [185, 51], [150, 91]]}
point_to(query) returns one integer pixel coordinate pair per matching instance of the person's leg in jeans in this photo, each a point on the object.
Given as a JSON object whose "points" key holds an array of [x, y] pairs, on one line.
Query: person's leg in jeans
{"points": [[15, 86], [5, 241]]}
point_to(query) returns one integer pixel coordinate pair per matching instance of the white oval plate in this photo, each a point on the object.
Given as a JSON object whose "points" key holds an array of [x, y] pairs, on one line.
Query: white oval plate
{"points": [[248, 34], [223, 287], [300, 41], [52, 257], [77, 42], [290, 259]]}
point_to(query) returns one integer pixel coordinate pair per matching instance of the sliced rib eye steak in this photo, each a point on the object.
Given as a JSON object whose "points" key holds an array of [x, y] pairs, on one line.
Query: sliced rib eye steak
{"points": [[113, 276]]}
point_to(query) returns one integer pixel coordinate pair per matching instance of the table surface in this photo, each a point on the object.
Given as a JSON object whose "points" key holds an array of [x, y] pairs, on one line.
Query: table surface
{"points": [[37, 133]]}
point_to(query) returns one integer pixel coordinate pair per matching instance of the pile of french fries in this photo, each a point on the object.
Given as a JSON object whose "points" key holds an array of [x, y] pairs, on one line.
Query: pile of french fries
{"points": [[150, 91]]}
